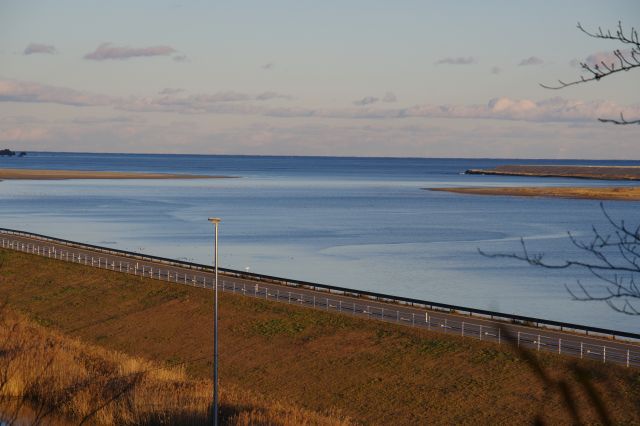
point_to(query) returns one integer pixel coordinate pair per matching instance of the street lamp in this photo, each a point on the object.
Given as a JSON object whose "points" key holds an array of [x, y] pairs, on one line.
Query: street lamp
{"points": [[215, 222]]}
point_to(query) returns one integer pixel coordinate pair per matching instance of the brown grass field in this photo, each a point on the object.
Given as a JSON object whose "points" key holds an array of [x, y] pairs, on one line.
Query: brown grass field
{"points": [[621, 193], [50, 378], [33, 174], [374, 373]]}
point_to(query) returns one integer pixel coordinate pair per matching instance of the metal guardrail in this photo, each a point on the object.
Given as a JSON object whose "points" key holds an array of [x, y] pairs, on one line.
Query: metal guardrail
{"points": [[510, 318], [565, 344]]}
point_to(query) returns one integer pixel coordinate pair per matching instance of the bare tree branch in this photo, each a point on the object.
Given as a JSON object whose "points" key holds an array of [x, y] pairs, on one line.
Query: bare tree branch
{"points": [[614, 265], [625, 60]]}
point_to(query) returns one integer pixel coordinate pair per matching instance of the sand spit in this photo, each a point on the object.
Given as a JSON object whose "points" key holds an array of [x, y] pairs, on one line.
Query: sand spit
{"points": [[622, 193], [583, 172]]}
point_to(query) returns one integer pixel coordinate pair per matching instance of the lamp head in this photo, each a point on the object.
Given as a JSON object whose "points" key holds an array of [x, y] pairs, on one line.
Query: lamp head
{"points": [[214, 220]]}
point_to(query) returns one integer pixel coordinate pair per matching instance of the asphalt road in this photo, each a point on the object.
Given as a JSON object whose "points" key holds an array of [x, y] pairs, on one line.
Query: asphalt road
{"points": [[543, 339]]}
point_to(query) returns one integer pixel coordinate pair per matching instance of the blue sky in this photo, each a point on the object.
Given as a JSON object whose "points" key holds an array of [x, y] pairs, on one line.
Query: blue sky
{"points": [[371, 78]]}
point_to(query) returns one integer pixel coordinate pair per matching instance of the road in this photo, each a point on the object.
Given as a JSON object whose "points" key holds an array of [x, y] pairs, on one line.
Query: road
{"points": [[540, 339]]}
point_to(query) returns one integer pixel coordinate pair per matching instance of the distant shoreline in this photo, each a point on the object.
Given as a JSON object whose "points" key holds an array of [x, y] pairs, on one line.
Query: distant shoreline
{"points": [[620, 193], [580, 172], [34, 174]]}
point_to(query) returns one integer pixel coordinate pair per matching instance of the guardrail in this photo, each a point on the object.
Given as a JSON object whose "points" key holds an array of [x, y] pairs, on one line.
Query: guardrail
{"points": [[542, 340], [509, 318]]}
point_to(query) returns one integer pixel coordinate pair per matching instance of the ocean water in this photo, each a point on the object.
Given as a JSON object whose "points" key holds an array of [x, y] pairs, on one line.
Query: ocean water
{"points": [[363, 223]]}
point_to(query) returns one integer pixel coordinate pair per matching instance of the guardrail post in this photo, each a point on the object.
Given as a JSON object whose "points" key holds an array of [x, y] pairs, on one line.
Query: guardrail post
{"points": [[340, 305], [518, 339], [463, 328], [426, 318], [413, 319], [559, 346], [581, 349], [314, 301], [480, 333], [498, 336], [289, 298], [604, 354], [539, 343], [627, 357], [397, 316]]}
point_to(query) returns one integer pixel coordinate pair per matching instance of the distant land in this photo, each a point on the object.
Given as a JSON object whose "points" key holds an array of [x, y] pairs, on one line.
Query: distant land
{"points": [[8, 153], [621, 193], [581, 172], [34, 174]]}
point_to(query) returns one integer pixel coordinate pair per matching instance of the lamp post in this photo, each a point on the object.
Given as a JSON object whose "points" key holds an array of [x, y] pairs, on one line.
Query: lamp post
{"points": [[215, 222]]}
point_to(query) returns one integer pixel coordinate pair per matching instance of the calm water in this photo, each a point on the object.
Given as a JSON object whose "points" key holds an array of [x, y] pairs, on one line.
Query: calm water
{"points": [[353, 222]]}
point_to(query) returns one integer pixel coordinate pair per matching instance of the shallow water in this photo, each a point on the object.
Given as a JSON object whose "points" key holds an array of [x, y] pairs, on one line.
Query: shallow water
{"points": [[353, 222]]}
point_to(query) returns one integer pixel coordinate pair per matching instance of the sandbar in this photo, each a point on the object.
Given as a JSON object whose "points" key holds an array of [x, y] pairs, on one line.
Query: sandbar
{"points": [[33, 174], [569, 171], [622, 193]]}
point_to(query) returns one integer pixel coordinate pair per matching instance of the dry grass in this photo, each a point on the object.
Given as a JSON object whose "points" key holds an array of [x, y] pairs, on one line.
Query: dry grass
{"points": [[622, 193], [373, 372], [48, 377]]}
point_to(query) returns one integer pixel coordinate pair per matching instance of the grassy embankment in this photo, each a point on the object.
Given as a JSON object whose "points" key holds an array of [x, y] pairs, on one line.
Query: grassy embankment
{"points": [[372, 372], [50, 378]]}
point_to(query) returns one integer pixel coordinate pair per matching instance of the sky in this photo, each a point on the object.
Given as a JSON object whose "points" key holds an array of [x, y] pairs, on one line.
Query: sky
{"points": [[339, 78]]}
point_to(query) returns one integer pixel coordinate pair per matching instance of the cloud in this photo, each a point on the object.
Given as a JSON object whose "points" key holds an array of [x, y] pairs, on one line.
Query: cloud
{"points": [[119, 119], [265, 96], [170, 91], [368, 100], [460, 60], [389, 97], [268, 66], [22, 91], [39, 48], [230, 102], [496, 70], [109, 51], [500, 108], [274, 137], [531, 60], [598, 58]]}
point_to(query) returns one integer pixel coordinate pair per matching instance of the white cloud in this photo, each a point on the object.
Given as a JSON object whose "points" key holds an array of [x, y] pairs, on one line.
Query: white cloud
{"points": [[22, 91], [239, 103], [170, 91], [39, 48], [266, 96], [531, 60], [368, 100], [389, 97], [598, 58], [460, 60], [109, 51]]}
